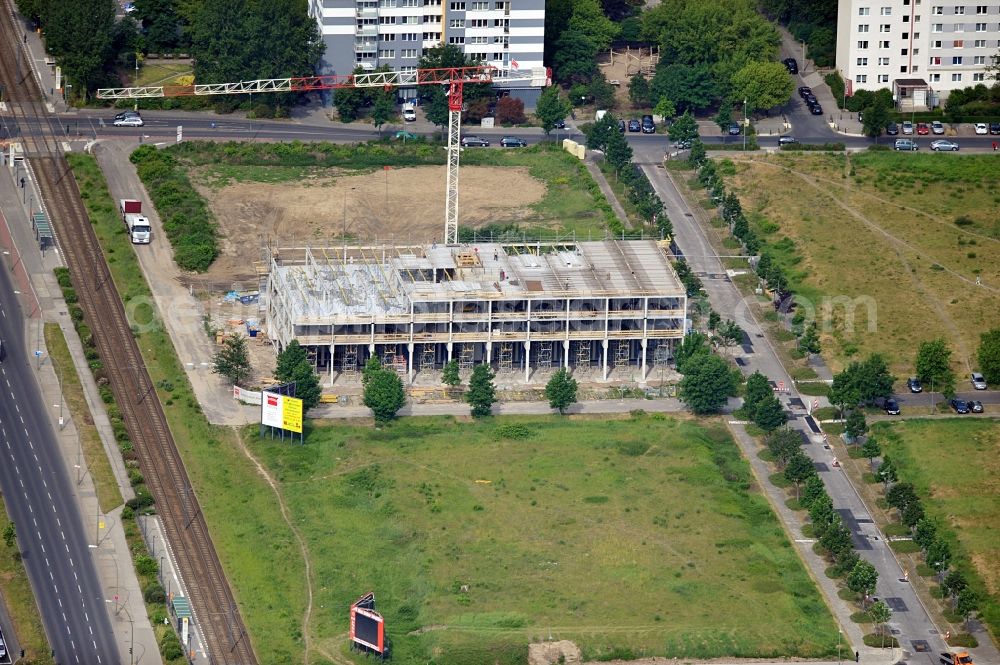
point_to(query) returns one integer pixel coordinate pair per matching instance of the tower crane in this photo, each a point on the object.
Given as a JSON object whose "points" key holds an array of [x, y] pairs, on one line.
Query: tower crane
{"points": [[454, 77]]}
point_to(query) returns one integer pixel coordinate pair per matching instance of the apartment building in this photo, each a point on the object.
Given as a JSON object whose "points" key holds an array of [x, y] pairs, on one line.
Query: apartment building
{"points": [[507, 34], [921, 49]]}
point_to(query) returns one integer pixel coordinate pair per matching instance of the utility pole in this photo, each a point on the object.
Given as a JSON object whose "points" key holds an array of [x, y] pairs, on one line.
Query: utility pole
{"points": [[746, 124]]}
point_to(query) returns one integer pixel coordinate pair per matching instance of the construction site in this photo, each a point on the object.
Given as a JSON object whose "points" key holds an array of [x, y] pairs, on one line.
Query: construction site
{"points": [[609, 310]]}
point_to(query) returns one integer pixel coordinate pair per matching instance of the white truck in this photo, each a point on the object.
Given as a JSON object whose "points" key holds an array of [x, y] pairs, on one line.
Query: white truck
{"points": [[409, 111], [138, 227]]}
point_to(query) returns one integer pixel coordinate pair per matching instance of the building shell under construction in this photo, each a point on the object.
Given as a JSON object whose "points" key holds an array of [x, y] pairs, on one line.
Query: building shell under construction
{"points": [[607, 310]]}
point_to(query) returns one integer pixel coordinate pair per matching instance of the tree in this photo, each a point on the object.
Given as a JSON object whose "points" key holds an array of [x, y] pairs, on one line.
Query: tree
{"points": [[809, 342], [713, 322], [886, 472], [561, 390], [307, 386], [757, 389], [836, 538], [638, 91], [783, 444], [876, 118], [665, 108], [575, 57], [372, 366], [769, 414], [10, 535], [812, 490], [349, 101], [482, 393], [233, 359], [552, 108], [730, 333], [588, 18], [967, 603], [692, 344], [901, 495], [383, 109], [933, 364], [762, 84], [618, 152], [939, 555], [924, 533], [160, 24], [707, 383], [288, 359], [871, 449], [601, 92], [384, 395], [684, 129], [989, 355], [800, 468], [600, 132], [880, 614], [510, 111], [450, 375], [725, 116], [821, 513], [80, 34], [953, 584], [912, 514], [856, 426], [863, 578]]}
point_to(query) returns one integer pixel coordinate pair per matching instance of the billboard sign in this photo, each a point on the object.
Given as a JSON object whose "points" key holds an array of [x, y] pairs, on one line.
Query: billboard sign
{"points": [[270, 409], [291, 414], [367, 625], [281, 411]]}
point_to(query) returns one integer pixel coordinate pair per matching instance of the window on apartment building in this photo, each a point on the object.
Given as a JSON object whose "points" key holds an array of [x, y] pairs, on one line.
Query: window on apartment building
{"points": [[960, 9], [386, 38], [501, 23], [432, 3], [862, 62], [457, 6], [935, 78], [457, 23], [478, 40], [501, 5], [937, 27], [979, 59], [916, 19], [408, 53], [863, 43], [886, 11], [502, 40], [883, 44], [408, 69], [913, 69], [410, 3], [387, 20], [937, 11], [498, 56], [902, 70], [906, 36], [956, 59], [456, 40], [903, 51], [956, 78], [861, 78], [979, 43], [980, 27], [432, 18], [981, 9], [387, 3], [387, 53], [883, 61], [958, 43], [916, 51], [883, 78], [906, 19], [479, 23], [936, 44], [885, 27], [959, 27], [480, 6], [862, 11], [978, 77], [862, 27]]}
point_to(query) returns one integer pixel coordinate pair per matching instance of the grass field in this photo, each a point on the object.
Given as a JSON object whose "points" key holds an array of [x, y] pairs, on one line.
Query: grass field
{"points": [[953, 463], [108, 494], [901, 238], [640, 535], [162, 73]]}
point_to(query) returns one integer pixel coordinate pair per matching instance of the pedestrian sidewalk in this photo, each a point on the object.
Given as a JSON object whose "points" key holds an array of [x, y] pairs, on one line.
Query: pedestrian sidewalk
{"points": [[32, 46]]}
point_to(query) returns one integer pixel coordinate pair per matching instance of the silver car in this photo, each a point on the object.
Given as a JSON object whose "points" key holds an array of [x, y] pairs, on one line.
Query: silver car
{"points": [[944, 145], [907, 127], [978, 381]]}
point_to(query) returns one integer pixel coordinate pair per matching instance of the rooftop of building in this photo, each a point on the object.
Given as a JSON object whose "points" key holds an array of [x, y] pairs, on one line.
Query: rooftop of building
{"points": [[373, 281]]}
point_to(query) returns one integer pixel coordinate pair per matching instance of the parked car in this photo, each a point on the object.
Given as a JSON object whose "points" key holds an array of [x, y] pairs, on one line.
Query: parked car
{"points": [[129, 121], [913, 383], [944, 145], [475, 141], [937, 127], [960, 405], [804, 90], [791, 65], [786, 140], [907, 127], [648, 126], [975, 406], [892, 129], [633, 125], [513, 142], [891, 407], [995, 128], [621, 126], [683, 145], [981, 128], [734, 129], [978, 381], [560, 124], [404, 135], [923, 129], [810, 99], [816, 109], [905, 144]]}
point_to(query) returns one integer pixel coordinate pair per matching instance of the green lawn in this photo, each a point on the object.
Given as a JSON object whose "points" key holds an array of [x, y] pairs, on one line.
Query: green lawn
{"points": [[895, 239], [954, 465], [640, 535]]}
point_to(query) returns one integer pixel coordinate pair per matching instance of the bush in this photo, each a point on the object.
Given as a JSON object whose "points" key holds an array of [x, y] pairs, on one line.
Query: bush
{"points": [[146, 565], [510, 111], [170, 646], [63, 278], [139, 502], [154, 593], [514, 431]]}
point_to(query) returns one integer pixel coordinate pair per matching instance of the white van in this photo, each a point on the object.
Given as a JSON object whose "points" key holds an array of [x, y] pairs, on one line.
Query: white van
{"points": [[409, 112]]}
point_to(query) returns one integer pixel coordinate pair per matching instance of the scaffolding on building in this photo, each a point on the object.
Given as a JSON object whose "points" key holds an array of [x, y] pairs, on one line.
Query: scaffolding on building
{"points": [[583, 356], [466, 357], [621, 354], [349, 365], [661, 356], [506, 358], [545, 355], [427, 357]]}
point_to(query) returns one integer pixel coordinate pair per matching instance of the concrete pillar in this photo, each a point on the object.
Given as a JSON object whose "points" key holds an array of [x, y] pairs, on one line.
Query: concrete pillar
{"points": [[489, 353], [527, 361], [449, 345], [566, 354], [642, 368], [331, 364], [409, 362], [604, 360]]}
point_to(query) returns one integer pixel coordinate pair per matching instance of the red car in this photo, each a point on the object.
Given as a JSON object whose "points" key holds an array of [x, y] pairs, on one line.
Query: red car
{"points": [[923, 129]]}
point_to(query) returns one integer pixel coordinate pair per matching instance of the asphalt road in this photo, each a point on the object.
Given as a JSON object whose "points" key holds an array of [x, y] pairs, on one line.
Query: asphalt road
{"points": [[39, 497]]}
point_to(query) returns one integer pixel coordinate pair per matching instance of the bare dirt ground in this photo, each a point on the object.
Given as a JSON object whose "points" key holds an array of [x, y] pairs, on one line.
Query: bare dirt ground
{"points": [[623, 66], [400, 205]]}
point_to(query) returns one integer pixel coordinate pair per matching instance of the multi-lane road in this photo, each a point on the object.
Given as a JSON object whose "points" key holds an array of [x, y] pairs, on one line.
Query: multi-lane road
{"points": [[37, 490]]}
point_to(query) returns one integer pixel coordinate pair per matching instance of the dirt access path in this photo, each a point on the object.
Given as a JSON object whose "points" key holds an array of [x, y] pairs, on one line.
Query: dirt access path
{"points": [[398, 205]]}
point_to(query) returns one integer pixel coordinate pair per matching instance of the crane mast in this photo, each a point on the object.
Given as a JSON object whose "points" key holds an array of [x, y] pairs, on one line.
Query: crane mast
{"points": [[453, 77]]}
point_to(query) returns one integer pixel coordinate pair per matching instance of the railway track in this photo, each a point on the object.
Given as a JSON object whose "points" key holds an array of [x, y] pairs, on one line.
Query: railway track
{"points": [[212, 600]]}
